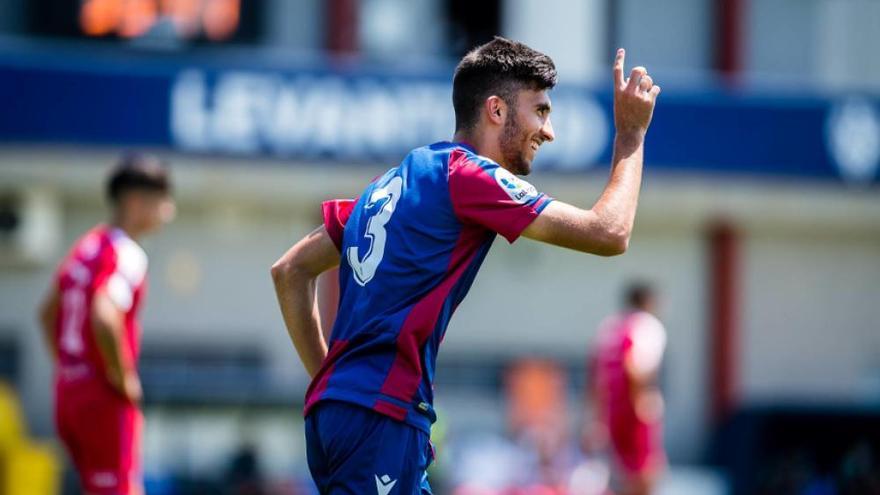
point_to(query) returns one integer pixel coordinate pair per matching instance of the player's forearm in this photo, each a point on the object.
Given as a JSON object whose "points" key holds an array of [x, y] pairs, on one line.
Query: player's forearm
{"points": [[296, 297], [49, 337], [617, 205], [108, 327], [48, 318], [118, 366], [47, 326], [634, 100], [295, 275], [108, 337]]}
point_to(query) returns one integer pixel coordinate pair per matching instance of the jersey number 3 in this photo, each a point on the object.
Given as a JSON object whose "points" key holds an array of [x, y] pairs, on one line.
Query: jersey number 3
{"points": [[383, 201]]}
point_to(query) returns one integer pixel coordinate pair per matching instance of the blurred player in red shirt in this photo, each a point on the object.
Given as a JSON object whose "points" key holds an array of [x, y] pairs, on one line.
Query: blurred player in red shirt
{"points": [[627, 401], [90, 320]]}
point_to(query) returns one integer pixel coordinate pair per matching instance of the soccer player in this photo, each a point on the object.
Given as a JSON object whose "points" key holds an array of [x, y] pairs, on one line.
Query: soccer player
{"points": [[90, 321], [409, 248], [626, 399]]}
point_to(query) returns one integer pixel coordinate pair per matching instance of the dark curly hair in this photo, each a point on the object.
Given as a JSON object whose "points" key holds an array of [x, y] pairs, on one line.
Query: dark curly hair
{"points": [[500, 67]]}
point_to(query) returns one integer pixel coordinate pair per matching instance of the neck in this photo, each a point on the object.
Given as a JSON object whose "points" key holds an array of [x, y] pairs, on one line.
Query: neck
{"points": [[483, 143], [125, 225]]}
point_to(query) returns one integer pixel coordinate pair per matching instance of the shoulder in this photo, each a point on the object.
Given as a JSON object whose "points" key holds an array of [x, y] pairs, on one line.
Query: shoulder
{"points": [[131, 260], [647, 323], [90, 246], [451, 156], [466, 166], [463, 160], [647, 331], [444, 163], [90, 254], [607, 330], [468, 169]]}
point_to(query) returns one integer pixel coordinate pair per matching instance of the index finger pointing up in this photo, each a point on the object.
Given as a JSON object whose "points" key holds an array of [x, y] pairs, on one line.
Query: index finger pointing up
{"points": [[618, 67]]}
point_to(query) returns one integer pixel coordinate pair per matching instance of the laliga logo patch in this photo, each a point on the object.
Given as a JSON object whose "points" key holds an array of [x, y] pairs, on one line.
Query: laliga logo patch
{"points": [[518, 190]]}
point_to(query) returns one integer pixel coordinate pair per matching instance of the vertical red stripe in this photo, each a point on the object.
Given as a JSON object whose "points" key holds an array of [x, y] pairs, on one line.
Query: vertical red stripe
{"points": [[405, 374], [724, 307], [342, 26], [319, 383], [729, 15]]}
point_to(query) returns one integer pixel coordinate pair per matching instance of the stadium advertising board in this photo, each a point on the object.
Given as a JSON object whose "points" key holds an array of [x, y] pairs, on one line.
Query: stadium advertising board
{"points": [[348, 116]]}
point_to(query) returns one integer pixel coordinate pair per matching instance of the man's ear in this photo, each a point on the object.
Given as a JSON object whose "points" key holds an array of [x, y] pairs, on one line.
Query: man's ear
{"points": [[496, 110]]}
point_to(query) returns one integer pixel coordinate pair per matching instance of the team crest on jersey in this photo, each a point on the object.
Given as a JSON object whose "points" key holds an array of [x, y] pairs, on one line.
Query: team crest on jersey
{"points": [[519, 190]]}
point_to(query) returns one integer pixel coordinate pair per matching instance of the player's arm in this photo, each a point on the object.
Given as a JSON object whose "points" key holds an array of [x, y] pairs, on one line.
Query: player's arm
{"points": [[108, 326], [295, 275], [605, 229], [48, 316], [642, 367], [594, 431]]}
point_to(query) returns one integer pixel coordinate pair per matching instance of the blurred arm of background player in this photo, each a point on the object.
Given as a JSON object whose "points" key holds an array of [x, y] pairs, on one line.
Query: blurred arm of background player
{"points": [[295, 276], [594, 431], [642, 366], [108, 327], [48, 315], [605, 229]]}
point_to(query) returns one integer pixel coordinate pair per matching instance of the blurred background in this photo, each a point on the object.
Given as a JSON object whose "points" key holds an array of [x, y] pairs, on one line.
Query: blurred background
{"points": [[759, 225]]}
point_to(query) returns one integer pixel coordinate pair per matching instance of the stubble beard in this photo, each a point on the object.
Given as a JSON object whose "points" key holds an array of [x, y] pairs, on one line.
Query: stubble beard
{"points": [[512, 141]]}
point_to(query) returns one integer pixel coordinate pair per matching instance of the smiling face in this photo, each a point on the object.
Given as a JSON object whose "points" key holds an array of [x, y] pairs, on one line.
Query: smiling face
{"points": [[526, 128]]}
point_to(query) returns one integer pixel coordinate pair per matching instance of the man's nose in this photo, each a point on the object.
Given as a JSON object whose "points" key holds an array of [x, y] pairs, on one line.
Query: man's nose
{"points": [[547, 131]]}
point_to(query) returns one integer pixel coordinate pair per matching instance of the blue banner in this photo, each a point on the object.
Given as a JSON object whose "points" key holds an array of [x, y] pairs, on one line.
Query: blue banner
{"points": [[351, 116]]}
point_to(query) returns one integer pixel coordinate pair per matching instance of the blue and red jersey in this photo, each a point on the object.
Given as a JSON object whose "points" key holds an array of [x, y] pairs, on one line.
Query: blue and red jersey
{"points": [[410, 248]]}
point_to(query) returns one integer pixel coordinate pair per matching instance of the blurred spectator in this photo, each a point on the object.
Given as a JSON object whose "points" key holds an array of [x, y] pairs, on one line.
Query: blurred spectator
{"points": [[628, 406], [537, 456], [243, 476]]}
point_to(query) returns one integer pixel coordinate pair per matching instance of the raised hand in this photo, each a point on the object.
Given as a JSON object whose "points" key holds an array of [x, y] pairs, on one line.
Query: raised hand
{"points": [[634, 97]]}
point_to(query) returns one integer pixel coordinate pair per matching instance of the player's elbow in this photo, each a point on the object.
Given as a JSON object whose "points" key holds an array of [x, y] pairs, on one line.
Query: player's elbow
{"points": [[609, 250], [278, 270], [619, 244], [282, 270], [605, 246], [602, 234], [290, 266], [614, 243]]}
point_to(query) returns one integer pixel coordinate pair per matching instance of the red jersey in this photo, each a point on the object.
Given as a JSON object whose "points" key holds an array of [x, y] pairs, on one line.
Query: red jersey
{"points": [[100, 428], [640, 339], [104, 259]]}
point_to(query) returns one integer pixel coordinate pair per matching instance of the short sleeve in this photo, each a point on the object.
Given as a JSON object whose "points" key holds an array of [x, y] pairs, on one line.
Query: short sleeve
{"points": [[648, 344], [121, 270], [486, 194], [336, 213]]}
